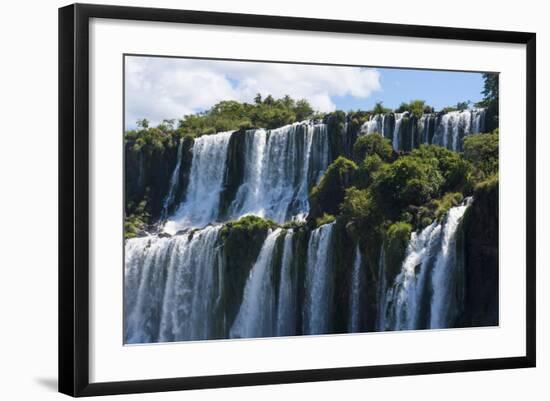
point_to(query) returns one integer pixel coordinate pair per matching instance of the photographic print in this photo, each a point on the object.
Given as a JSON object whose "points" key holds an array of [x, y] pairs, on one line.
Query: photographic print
{"points": [[268, 199]]}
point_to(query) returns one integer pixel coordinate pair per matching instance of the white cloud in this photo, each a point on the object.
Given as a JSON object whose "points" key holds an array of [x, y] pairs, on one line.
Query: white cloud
{"points": [[159, 88]]}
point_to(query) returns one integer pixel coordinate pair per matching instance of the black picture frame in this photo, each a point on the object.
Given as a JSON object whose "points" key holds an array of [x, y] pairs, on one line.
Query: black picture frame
{"points": [[74, 198]]}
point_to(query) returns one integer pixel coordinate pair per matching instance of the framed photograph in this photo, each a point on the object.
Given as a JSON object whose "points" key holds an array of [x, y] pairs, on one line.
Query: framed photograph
{"points": [[251, 199]]}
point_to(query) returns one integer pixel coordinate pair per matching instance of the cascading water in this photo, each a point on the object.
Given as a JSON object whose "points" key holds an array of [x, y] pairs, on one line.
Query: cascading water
{"points": [[478, 120], [169, 199], [447, 129], [425, 292], [396, 143], [455, 125], [318, 285], [286, 306], [448, 272], [170, 286], [376, 123], [355, 293], [176, 287], [280, 167], [201, 205], [255, 317]]}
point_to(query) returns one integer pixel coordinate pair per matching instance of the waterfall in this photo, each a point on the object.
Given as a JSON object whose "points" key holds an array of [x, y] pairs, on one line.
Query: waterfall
{"points": [[280, 167], [144, 275], [455, 125], [255, 316], [169, 199], [318, 285], [355, 294], [376, 123], [448, 269], [170, 286], [382, 291], [286, 306], [450, 128], [409, 289], [201, 205], [478, 120], [190, 287], [181, 286], [396, 134], [425, 292]]}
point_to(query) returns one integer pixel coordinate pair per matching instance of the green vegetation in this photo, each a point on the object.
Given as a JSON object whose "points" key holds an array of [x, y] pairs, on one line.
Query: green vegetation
{"points": [[490, 100], [380, 109], [231, 115], [415, 107], [388, 195], [327, 196], [397, 239], [482, 151], [448, 201], [136, 222], [324, 219], [379, 189], [374, 144], [246, 226]]}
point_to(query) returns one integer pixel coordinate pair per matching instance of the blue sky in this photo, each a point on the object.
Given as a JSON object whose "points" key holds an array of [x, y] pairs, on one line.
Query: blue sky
{"points": [[160, 88], [438, 88]]}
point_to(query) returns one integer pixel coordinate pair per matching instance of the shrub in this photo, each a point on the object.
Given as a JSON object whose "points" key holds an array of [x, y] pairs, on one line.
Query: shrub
{"points": [[482, 151], [327, 196], [448, 201], [455, 170], [407, 181], [367, 171], [396, 241], [373, 144], [324, 219]]}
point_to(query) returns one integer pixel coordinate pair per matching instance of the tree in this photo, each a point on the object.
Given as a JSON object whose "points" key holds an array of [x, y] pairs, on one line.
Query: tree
{"points": [[380, 109], [490, 87], [416, 107], [269, 100], [482, 151], [453, 168], [327, 196], [143, 123], [303, 110], [407, 181], [491, 99], [373, 144]]}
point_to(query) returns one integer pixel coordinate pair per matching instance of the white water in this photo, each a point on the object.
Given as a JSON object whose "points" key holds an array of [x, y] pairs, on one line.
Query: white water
{"points": [[374, 124], [169, 199], [450, 127], [355, 293], [201, 205], [455, 125], [255, 316], [447, 271], [396, 130], [280, 167], [408, 290], [318, 285], [175, 282], [424, 293], [286, 305]]}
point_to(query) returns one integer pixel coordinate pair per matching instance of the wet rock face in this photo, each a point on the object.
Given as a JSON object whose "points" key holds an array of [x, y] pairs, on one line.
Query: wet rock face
{"points": [[481, 260], [148, 171]]}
